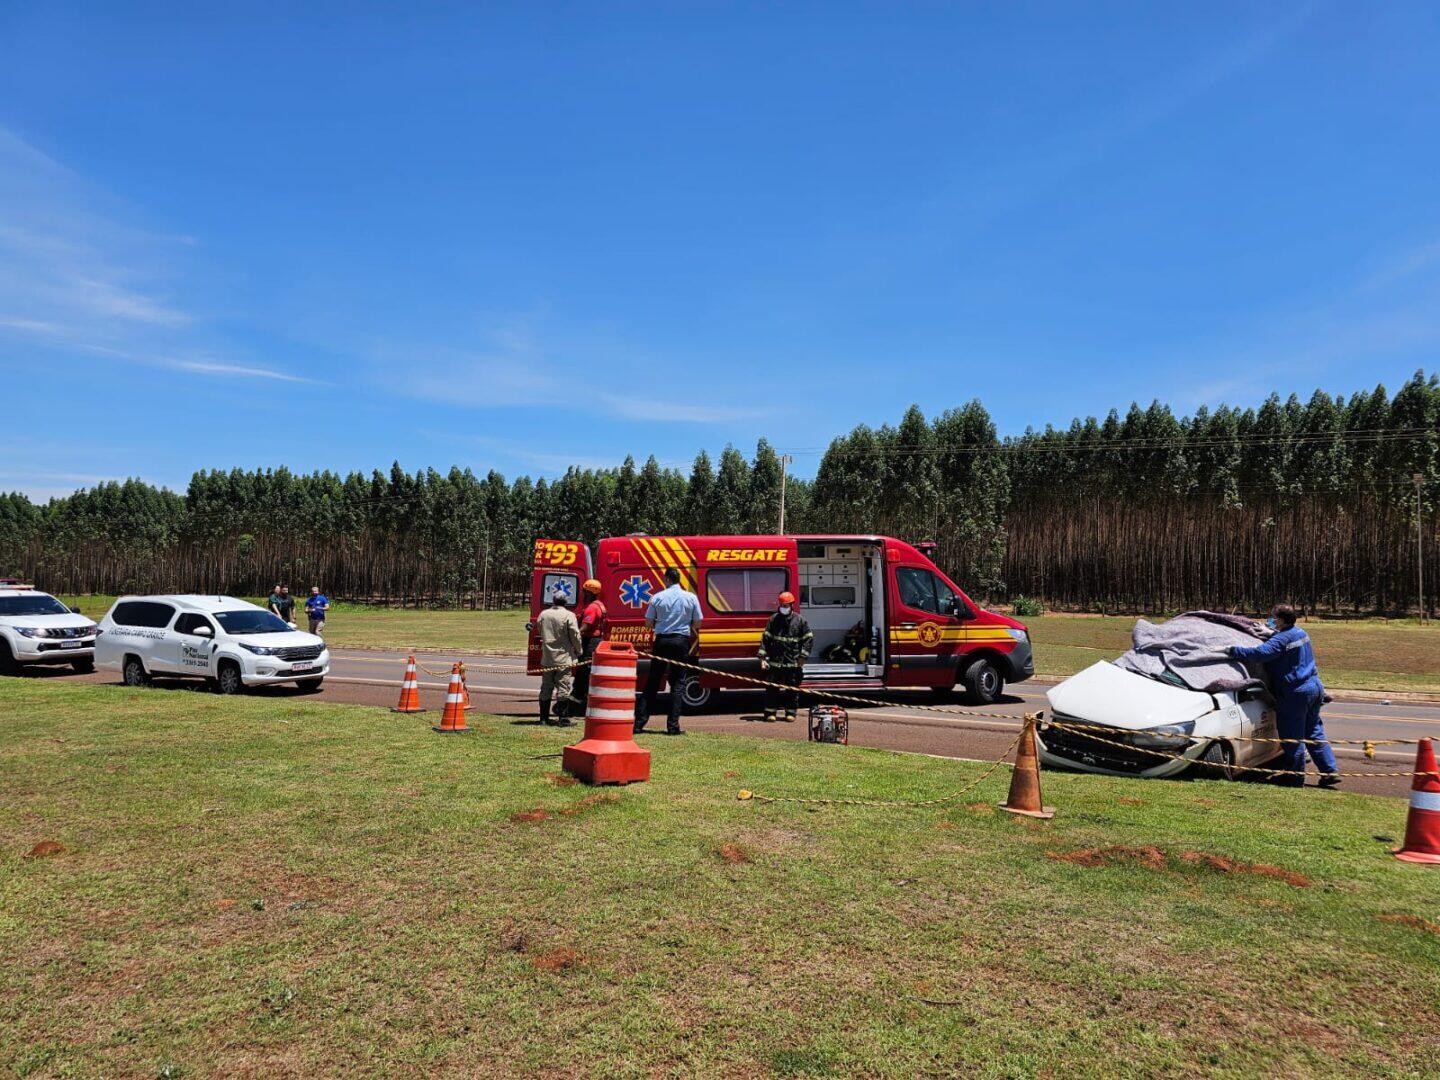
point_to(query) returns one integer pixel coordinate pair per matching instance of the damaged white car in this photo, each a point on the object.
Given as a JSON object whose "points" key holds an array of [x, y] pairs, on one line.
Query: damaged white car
{"points": [[1175, 702]]}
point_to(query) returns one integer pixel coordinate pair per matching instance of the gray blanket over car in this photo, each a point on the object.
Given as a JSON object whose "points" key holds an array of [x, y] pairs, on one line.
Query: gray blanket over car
{"points": [[1193, 649]]}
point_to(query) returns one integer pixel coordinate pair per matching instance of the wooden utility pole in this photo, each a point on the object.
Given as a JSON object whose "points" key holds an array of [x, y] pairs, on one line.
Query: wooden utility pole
{"points": [[1419, 479], [785, 460]]}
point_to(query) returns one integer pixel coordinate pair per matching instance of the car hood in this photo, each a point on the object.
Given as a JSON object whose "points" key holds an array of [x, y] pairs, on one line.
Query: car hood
{"points": [[51, 622], [289, 640], [1106, 694]]}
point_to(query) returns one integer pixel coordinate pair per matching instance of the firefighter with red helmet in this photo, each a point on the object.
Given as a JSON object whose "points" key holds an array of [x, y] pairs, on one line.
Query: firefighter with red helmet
{"points": [[593, 628], [784, 648]]}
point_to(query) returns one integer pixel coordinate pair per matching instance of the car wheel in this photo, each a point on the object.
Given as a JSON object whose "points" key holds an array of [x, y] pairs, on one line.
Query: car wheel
{"points": [[983, 683], [7, 659], [133, 672], [228, 679], [1218, 761], [312, 686], [694, 697], [83, 667]]}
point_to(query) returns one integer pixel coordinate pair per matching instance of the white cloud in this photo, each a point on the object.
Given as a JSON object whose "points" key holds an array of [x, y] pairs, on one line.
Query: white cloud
{"points": [[74, 276], [514, 370], [239, 371]]}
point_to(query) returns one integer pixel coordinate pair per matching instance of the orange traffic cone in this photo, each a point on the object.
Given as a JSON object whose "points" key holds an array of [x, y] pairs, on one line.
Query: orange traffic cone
{"points": [[1422, 826], [1024, 797], [452, 720], [409, 690], [465, 705]]}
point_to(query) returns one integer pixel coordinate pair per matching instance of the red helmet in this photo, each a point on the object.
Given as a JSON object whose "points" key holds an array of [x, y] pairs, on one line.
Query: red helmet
{"points": [[787, 598]]}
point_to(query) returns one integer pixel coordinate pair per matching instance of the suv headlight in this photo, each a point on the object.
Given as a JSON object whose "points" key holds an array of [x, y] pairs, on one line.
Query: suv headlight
{"points": [[258, 650], [33, 631], [1018, 635], [1168, 737]]}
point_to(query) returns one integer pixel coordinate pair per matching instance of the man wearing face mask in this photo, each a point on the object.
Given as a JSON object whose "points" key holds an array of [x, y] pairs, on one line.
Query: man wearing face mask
{"points": [[784, 648], [1294, 679]]}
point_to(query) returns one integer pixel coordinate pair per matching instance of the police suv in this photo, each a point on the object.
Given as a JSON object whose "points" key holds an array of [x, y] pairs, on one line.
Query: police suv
{"points": [[227, 642], [35, 628]]}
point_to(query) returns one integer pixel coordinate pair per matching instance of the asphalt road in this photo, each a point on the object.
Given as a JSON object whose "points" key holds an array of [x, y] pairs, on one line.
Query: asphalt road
{"points": [[500, 686]]}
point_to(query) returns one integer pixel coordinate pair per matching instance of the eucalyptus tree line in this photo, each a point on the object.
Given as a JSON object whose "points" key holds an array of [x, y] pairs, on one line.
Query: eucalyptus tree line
{"points": [[1148, 510]]}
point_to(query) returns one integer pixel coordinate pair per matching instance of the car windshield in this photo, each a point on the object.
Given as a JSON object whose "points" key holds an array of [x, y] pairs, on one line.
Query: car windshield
{"points": [[251, 622], [32, 605]]}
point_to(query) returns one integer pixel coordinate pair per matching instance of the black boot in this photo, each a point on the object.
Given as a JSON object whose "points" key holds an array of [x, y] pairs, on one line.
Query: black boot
{"points": [[545, 713]]}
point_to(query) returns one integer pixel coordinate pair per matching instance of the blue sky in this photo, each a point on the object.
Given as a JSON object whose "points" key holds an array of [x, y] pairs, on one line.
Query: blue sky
{"points": [[520, 236]]}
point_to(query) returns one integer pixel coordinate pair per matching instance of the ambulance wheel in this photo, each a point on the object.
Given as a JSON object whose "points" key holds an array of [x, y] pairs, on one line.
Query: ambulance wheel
{"points": [[1218, 762], [694, 697], [7, 659], [312, 686], [983, 683]]}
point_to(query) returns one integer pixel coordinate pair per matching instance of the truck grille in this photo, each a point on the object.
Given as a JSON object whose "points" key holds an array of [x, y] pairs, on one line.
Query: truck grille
{"points": [[71, 631], [300, 652]]}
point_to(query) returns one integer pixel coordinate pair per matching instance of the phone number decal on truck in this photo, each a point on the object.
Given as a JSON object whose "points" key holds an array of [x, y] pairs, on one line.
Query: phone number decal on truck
{"points": [[556, 553]]}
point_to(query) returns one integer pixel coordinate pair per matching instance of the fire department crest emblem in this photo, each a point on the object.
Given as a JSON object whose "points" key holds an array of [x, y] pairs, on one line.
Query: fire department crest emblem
{"points": [[929, 634]]}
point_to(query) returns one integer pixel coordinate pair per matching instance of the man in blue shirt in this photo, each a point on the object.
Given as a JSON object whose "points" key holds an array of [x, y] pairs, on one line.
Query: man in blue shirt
{"points": [[1295, 681], [674, 617], [315, 607]]}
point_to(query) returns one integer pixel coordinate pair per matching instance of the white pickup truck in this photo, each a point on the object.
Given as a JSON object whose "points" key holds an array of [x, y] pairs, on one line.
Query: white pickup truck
{"points": [[229, 643], [35, 628]]}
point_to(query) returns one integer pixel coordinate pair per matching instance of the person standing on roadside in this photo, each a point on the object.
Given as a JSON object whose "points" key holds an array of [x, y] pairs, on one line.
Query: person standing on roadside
{"points": [[315, 608], [1294, 679], [674, 619], [784, 648], [593, 628], [559, 649], [283, 604]]}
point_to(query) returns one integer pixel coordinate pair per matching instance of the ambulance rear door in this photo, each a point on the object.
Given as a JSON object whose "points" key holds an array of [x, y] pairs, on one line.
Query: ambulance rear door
{"points": [[557, 566]]}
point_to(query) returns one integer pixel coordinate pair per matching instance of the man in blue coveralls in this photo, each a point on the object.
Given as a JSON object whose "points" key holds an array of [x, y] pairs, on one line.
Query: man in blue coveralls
{"points": [[1290, 664]]}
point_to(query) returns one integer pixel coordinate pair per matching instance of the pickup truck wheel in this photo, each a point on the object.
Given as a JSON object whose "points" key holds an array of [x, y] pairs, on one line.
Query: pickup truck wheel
{"points": [[227, 679], [7, 659], [983, 683], [133, 672], [1218, 761], [83, 667]]}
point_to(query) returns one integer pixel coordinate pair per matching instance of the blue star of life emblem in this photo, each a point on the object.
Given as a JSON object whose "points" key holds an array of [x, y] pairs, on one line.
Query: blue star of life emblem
{"points": [[635, 591]]}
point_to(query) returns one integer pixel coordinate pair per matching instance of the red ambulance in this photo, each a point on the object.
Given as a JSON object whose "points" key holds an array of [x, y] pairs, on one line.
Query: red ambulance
{"points": [[884, 615]]}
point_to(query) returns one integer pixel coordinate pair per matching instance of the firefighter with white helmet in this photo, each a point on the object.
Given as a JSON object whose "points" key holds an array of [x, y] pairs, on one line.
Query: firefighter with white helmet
{"points": [[559, 649], [784, 648]]}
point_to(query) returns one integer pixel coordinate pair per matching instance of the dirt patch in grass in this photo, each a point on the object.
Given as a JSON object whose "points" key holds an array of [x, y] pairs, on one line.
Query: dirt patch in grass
{"points": [[1154, 858], [1414, 922], [226, 904], [1125, 800], [732, 853], [46, 849], [530, 815], [586, 804], [561, 780], [558, 960]]}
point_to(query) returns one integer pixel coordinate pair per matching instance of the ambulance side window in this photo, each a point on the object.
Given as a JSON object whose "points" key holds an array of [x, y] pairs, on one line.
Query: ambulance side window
{"points": [[731, 592]]}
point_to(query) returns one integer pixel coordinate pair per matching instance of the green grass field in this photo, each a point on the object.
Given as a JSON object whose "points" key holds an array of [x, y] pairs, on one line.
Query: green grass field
{"points": [[259, 887], [1389, 655]]}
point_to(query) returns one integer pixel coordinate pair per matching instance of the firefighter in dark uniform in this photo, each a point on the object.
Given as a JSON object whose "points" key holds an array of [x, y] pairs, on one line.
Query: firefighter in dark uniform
{"points": [[784, 648], [593, 627]]}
